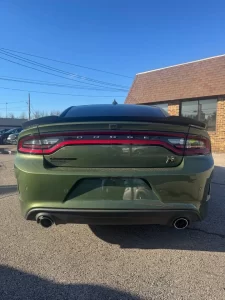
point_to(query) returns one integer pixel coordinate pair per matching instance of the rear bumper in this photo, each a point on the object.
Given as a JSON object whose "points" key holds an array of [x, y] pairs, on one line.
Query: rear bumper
{"points": [[116, 217], [182, 191], [10, 141]]}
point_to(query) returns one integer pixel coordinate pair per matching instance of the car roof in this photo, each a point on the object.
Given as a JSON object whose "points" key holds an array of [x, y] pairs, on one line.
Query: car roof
{"points": [[114, 113], [117, 110]]}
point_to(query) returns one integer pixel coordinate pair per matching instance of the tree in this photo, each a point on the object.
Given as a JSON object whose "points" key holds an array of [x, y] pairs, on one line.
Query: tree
{"points": [[55, 113], [23, 115], [11, 115], [39, 114]]}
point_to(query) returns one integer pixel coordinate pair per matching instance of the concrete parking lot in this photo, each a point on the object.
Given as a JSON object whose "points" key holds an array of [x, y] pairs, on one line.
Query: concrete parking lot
{"points": [[121, 262]]}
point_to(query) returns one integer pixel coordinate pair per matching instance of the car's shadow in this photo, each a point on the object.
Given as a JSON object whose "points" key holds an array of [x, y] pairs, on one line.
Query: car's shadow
{"points": [[15, 284], [208, 235]]}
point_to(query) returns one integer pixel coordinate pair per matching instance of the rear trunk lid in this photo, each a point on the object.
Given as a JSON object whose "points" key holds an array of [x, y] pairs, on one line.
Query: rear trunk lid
{"points": [[110, 136], [128, 145]]}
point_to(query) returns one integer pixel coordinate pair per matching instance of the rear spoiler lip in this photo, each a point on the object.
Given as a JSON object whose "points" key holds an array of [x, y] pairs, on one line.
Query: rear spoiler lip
{"points": [[173, 120]]}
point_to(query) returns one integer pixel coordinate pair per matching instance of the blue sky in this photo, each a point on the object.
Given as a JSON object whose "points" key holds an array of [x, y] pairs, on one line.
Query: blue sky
{"points": [[118, 36]]}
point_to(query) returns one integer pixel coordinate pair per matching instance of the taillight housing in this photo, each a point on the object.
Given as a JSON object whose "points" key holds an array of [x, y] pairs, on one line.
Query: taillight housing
{"points": [[177, 143], [37, 145], [197, 145], [193, 145]]}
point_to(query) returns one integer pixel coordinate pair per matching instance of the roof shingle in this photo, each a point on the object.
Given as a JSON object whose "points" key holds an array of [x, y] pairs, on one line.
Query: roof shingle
{"points": [[201, 78], [11, 122]]}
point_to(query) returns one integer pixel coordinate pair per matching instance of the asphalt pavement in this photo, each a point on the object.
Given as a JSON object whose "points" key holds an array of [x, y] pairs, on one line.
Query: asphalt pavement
{"points": [[110, 262]]}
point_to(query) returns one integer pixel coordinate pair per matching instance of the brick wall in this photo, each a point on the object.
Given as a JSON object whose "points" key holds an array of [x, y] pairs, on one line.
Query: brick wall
{"points": [[218, 136], [173, 108]]}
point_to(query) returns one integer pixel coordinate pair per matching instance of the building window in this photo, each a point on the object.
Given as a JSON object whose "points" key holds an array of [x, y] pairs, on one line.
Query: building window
{"points": [[201, 110], [163, 106]]}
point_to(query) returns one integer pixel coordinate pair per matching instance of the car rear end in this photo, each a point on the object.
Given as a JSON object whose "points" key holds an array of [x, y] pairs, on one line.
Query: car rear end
{"points": [[119, 164], [3, 136], [11, 139]]}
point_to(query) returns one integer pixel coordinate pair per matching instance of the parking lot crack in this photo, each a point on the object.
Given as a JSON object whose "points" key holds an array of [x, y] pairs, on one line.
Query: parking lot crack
{"points": [[209, 233]]}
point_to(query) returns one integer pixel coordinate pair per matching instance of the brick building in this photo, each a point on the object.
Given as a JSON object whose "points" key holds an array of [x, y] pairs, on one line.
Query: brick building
{"points": [[195, 89]]}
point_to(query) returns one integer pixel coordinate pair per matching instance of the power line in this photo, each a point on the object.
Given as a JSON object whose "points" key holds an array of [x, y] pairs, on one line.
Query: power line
{"points": [[32, 108], [11, 102], [40, 92], [59, 70], [55, 84], [67, 63], [14, 108], [24, 109], [29, 106], [45, 71]]}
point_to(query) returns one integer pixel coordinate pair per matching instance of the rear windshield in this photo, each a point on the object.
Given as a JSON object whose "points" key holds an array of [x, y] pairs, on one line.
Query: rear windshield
{"points": [[114, 111]]}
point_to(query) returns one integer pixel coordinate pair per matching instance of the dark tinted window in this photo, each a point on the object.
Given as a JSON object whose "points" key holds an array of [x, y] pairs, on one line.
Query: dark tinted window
{"points": [[114, 111], [190, 109], [201, 110]]}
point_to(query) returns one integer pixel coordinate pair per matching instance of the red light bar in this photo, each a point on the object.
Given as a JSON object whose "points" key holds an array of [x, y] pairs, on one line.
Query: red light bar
{"points": [[175, 142]]}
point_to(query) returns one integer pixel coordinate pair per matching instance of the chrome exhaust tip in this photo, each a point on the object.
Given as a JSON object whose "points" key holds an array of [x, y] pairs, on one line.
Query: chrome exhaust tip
{"points": [[45, 221], [181, 223]]}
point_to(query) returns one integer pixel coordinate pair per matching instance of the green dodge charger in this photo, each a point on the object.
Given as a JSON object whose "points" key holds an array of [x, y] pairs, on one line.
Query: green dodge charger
{"points": [[114, 164]]}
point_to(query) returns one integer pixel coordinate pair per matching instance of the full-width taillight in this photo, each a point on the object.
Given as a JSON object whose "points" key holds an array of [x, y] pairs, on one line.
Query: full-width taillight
{"points": [[177, 143]]}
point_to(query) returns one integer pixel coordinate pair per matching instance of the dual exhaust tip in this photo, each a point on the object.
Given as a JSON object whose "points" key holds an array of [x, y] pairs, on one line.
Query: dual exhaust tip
{"points": [[46, 221], [181, 223]]}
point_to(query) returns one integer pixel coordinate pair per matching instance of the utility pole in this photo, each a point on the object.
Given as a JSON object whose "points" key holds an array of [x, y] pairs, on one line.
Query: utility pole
{"points": [[29, 106], [6, 109]]}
